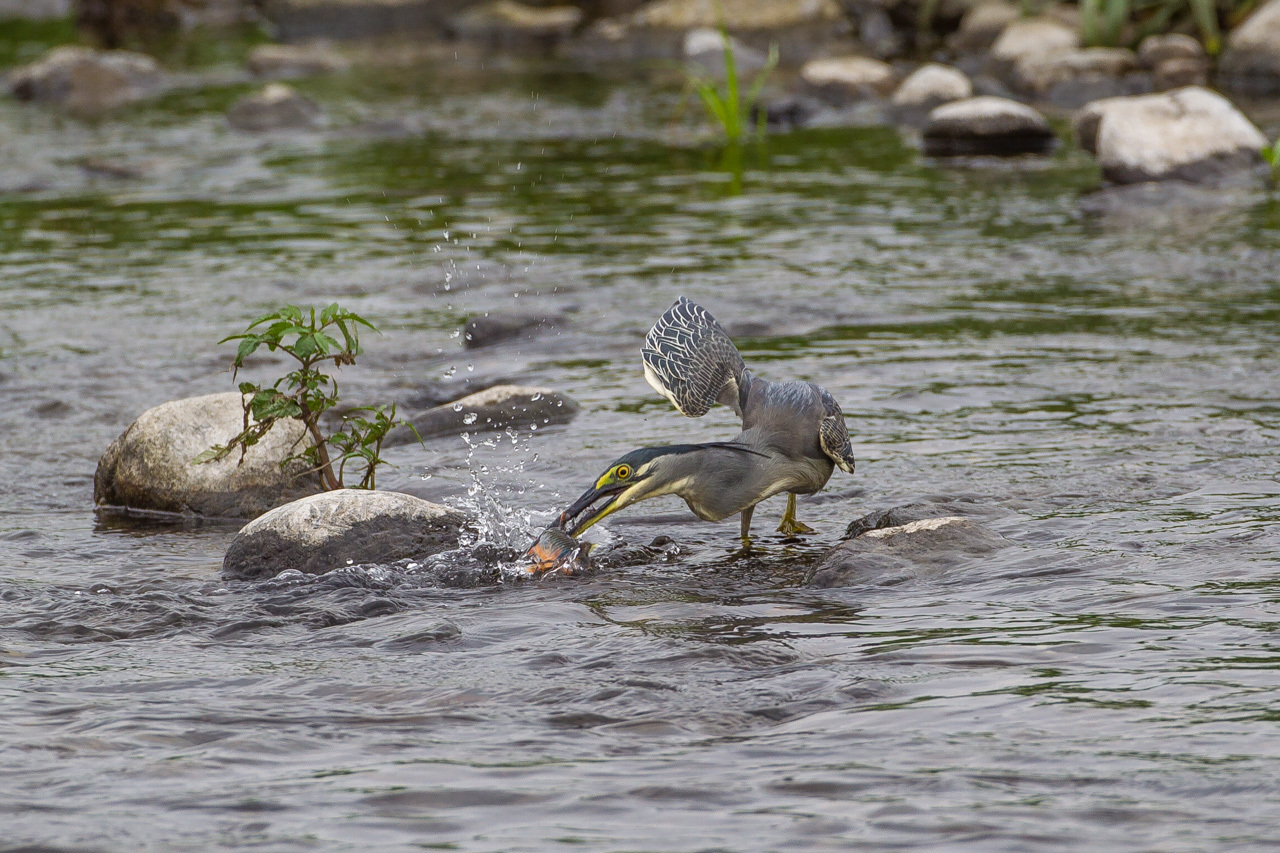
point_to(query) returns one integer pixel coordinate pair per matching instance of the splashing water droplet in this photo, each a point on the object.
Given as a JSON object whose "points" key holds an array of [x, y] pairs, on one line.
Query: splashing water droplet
{"points": [[469, 418], [457, 407], [536, 397]]}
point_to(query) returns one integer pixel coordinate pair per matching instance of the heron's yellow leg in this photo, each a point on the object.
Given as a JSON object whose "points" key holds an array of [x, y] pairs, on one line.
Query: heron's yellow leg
{"points": [[789, 525]]}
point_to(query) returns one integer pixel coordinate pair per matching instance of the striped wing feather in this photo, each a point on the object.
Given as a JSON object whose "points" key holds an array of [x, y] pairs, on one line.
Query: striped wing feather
{"points": [[833, 435], [690, 360]]}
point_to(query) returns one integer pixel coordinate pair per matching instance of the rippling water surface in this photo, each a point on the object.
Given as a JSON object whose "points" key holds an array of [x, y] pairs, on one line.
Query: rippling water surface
{"points": [[1101, 388]]}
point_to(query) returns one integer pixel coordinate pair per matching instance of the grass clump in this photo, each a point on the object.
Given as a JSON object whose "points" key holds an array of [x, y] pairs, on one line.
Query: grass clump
{"points": [[728, 108]]}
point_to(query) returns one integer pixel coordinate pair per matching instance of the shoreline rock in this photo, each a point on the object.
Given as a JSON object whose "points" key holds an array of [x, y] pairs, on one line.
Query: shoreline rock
{"points": [[499, 407], [148, 467], [276, 107], [328, 531], [86, 81], [1251, 62], [888, 555], [986, 125]]}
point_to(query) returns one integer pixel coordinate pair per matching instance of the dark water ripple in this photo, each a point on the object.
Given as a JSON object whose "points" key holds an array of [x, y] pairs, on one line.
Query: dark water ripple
{"points": [[1098, 389]]}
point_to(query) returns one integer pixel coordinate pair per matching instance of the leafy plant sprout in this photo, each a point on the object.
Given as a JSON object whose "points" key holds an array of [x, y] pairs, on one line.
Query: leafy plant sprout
{"points": [[728, 108], [1271, 153], [307, 393]]}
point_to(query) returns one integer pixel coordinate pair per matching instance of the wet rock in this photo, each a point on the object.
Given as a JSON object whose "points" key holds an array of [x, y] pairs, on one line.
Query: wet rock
{"points": [[986, 125], [1179, 73], [1189, 134], [87, 81], [506, 23], [982, 25], [895, 554], [931, 85], [916, 511], [499, 407], [788, 113], [290, 60], [797, 27], [1038, 73], [494, 327], [276, 107], [1033, 37], [149, 466], [704, 53], [301, 20], [328, 531], [848, 79], [1251, 62], [1161, 48]]}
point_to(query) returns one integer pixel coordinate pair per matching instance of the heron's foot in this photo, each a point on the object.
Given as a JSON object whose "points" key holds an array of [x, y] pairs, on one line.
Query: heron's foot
{"points": [[790, 527]]}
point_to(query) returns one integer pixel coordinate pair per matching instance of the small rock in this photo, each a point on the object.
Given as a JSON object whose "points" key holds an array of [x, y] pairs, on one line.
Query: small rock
{"points": [[1251, 62], [704, 52], [848, 79], [931, 85], [86, 81], [1189, 134], [506, 23], [149, 466], [494, 327], [276, 107], [1038, 73], [334, 529], [291, 60], [893, 554], [1033, 37], [982, 25], [1177, 73], [788, 113], [498, 407], [986, 125], [1161, 48]]}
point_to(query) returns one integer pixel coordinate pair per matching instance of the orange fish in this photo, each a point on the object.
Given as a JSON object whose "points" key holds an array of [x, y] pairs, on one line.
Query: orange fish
{"points": [[555, 550]]}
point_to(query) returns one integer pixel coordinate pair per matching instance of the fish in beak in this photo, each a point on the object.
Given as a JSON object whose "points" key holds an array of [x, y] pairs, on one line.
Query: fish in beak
{"points": [[555, 550]]}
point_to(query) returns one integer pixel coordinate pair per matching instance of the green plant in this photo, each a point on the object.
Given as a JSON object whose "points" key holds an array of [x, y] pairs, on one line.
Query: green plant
{"points": [[1103, 22], [1271, 153], [728, 108], [306, 393]]}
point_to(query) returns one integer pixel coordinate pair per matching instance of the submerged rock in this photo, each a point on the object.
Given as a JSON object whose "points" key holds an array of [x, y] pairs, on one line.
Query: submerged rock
{"points": [[149, 466], [1189, 134], [506, 23], [931, 85], [986, 125], [849, 78], [292, 60], [895, 554], [494, 327], [276, 107], [499, 407], [334, 529], [87, 81], [1251, 62]]}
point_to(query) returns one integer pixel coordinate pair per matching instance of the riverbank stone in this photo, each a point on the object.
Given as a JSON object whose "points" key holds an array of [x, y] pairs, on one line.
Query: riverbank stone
{"points": [[1033, 37], [293, 60], [149, 466], [1251, 61], [931, 85], [986, 125], [276, 107], [1189, 134], [87, 81], [507, 23], [1038, 73], [328, 531], [499, 407], [887, 555], [843, 80], [982, 24]]}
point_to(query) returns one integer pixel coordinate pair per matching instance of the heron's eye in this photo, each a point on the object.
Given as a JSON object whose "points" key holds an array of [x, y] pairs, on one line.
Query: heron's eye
{"points": [[623, 472]]}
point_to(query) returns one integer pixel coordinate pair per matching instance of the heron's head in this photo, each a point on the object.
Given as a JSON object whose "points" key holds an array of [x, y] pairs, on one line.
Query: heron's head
{"points": [[644, 473]]}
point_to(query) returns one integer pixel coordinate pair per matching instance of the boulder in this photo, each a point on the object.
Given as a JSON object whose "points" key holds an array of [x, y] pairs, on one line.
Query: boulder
{"points": [[499, 407], [1189, 134], [1036, 74], [986, 125], [328, 531], [1161, 48], [494, 327], [1031, 37], [149, 466], [895, 554], [982, 25], [87, 81], [290, 60], [1251, 62], [276, 107], [931, 85], [848, 79], [507, 23]]}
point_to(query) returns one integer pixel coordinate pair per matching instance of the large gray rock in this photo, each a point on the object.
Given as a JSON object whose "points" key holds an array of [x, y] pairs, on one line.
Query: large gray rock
{"points": [[986, 125], [87, 81], [507, 23], [292, 60], [334, 529], [1251, 62], [149, 466], [276, 107], [848, 78], [1189, 134], [931, 85], [896, 554], [499, 407]]}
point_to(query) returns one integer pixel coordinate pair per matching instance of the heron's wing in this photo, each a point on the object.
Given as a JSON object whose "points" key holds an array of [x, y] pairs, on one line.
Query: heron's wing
{"points": [[833, 435], [690, 360]]}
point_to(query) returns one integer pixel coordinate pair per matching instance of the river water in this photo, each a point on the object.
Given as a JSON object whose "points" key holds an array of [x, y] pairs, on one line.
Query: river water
{"points": [[1099, 388]]}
